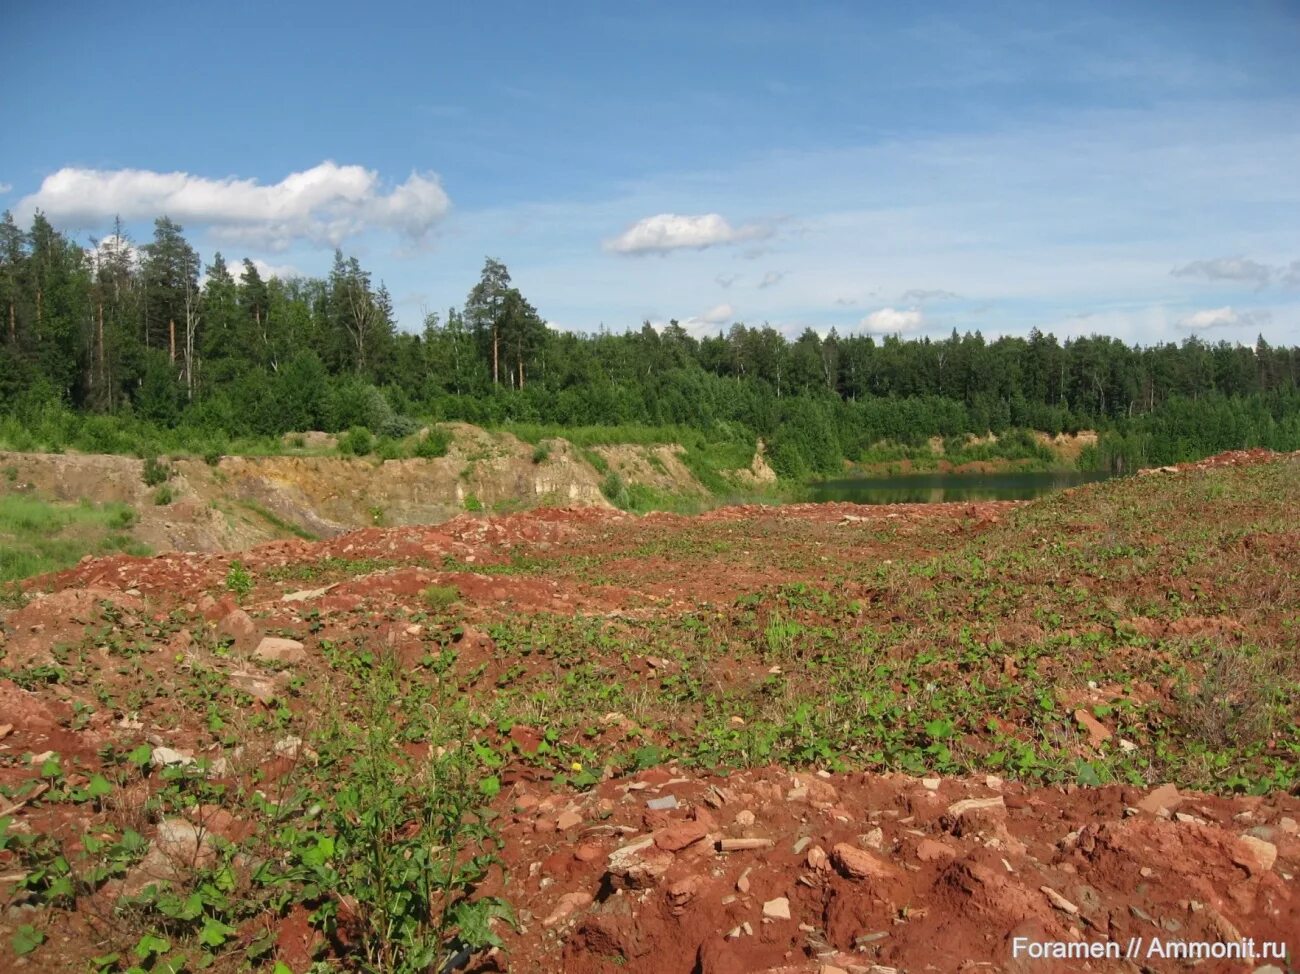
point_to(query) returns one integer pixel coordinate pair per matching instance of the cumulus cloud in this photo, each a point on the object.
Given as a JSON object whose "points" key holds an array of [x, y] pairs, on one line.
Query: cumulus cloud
{"points": [[1226, 269], [921, 296], [113, 247], [1222, 318], [718, 314], [671, 231], [771, 278], [890, 321], [324, 204]]}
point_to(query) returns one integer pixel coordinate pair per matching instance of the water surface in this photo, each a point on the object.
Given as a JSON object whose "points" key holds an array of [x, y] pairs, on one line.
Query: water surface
{"points": [[932, 488]]}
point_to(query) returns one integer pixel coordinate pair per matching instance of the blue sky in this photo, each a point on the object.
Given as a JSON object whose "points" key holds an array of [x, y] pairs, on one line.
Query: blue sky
{"points": [[1130, 169]]}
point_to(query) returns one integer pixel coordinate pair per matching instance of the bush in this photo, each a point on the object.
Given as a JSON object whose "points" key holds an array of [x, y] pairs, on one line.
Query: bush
{"points": [[541, 453], [155, 472], [356, 442], [615, 490], [163, 496], [440, 597], [433, 444]]}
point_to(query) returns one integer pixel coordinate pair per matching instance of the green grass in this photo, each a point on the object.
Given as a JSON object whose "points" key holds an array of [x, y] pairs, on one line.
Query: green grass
{"points": [[278, 522], [38, 536]]}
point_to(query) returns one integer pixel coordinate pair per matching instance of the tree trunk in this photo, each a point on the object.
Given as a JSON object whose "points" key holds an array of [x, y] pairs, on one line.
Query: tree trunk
{"points": [[496, 341], [171, 338]]}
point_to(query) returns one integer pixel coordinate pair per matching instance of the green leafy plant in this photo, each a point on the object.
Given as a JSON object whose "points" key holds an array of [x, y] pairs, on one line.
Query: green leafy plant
{"points": [[239, 581]]}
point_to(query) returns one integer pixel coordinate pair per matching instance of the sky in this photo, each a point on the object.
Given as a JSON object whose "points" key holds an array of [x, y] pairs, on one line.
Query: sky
{"points": [[1130, 169]]}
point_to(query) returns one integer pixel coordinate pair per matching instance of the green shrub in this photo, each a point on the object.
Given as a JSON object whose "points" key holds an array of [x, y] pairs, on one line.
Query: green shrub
{"points": [[440, 597], [472, 503], [155, 471], [433, 444], [615, 490], [541, 453], [389, 449], [239, 582], [163, 496], [356, 442]]}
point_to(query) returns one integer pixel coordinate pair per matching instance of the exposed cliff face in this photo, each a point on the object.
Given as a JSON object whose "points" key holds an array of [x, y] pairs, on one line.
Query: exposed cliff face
{"points": [[241, 501]]}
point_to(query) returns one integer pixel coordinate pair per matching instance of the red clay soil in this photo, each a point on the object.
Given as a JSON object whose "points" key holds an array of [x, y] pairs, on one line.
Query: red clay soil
{"points": [[761, 871]]}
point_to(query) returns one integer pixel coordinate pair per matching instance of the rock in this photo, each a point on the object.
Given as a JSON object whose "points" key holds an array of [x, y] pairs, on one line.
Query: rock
{"points": [[261, 688], [875, 839], [273, 649], [306, 594], [6, 730], [974, 815], [1059, 901], [680, 892], [931, 784], [1161, 801], [928, 850], [569, 904], [1128, 747], [995, 807], [744, 818], [1098, 733], [679, 836], [638, 864], [1263, 853], [1287, 825], [818, 860], [777, 909], [178, 848], [664, 804], [166, 757], [741, 845], [568, 820], [858, 863], [290, 747], [587, 852], [239, 627]]}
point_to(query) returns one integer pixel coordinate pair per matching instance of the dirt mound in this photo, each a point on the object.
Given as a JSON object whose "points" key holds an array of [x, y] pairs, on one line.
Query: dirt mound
{"points": [[1229, 458]]}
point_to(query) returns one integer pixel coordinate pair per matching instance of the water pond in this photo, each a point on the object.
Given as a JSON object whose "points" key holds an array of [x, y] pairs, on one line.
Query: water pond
{"points": [[931, 488]]}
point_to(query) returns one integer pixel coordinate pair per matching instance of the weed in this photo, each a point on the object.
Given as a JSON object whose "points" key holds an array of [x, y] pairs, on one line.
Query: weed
{"points": [[155, 472], [438, 598], [239, 582]]}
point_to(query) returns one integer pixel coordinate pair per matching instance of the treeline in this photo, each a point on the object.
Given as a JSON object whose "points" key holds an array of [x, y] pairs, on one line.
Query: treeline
{"points": [[152, 336]]}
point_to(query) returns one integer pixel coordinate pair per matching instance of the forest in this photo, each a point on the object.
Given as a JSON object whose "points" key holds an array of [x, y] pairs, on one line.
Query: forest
{"points": [[114, 347]]}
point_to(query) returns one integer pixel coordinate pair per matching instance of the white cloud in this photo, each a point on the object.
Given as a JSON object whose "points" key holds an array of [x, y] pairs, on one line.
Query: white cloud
{"points": [[324, 204], [718, 314], [1222, 318], [264, 270], [113, 246], [1226, 269], [671, 231], [890, 321]]}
